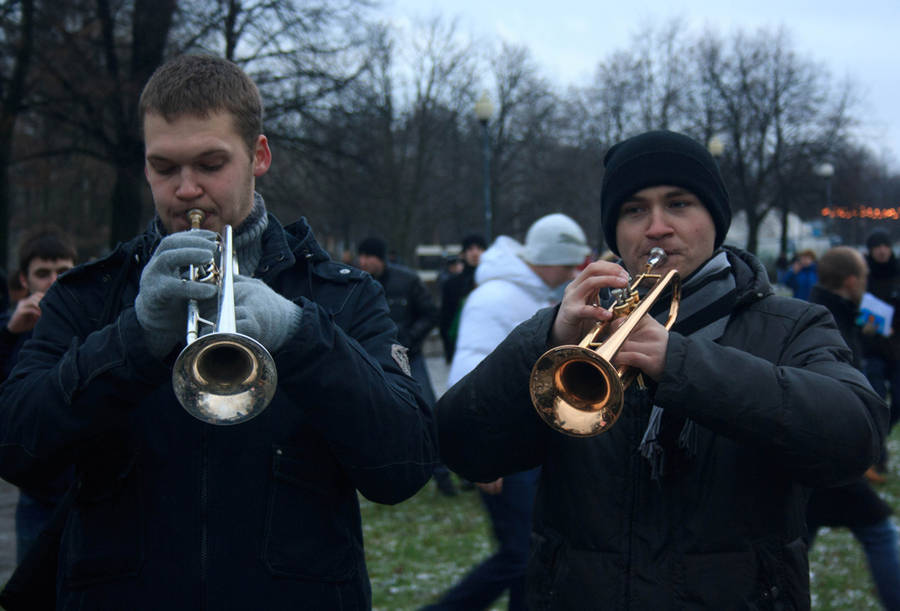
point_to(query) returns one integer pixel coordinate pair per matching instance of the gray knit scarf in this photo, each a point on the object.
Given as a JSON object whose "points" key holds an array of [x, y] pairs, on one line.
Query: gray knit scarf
{"points": [[247, 237], [707, 299]]}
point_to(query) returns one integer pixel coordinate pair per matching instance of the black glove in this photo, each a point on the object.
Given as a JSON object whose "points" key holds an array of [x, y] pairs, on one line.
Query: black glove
{"points": [[263, 314], [161, 304]]}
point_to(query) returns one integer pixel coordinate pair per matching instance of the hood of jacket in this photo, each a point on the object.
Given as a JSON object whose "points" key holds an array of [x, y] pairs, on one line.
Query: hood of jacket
{"points": [[502, 262]]}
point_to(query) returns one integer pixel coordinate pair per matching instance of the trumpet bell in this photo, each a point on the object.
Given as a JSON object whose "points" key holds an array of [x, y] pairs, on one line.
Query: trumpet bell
{"points": [[576, 391], [224, 378]]}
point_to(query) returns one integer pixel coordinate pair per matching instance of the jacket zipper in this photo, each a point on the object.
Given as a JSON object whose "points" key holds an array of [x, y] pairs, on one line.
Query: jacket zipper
{"points": [[638, 404], [204, 514]]}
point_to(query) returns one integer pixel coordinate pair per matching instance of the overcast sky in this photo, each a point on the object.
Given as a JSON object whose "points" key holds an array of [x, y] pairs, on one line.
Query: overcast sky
{"points": [[859, 39]]}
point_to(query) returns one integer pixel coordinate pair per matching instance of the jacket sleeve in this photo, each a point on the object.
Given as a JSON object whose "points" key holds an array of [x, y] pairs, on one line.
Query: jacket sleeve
{"points": [[71, 383], [351, 380], [487, 425], [792, 394]]}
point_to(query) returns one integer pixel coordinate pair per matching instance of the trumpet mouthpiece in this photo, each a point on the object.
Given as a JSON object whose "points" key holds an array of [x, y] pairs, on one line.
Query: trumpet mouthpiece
{"points": [[196, 216], [657, 256]]}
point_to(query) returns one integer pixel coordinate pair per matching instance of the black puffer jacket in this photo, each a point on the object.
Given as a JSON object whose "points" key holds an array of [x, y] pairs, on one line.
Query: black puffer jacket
{"points": [[173, 513], [778, 409]]}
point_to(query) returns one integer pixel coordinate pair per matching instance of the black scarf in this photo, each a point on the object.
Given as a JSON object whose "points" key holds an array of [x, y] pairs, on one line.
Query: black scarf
{"points": [[707, 299]]}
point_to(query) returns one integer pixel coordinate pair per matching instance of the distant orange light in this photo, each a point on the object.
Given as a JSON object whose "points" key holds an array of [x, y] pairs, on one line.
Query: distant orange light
{"points": [[864, 212]]}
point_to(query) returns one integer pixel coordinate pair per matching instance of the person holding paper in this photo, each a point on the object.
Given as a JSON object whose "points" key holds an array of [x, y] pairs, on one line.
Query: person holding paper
{"points": [[881, 353]]}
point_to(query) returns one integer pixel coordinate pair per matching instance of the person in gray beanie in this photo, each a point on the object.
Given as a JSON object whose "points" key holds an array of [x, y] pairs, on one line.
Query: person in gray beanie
{"points": [[172, 512], [513, 281], [696, 495]]}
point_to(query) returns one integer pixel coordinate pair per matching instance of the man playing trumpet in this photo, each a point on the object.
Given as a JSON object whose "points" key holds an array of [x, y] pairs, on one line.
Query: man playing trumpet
{"points": [[170, 512], [696, 497]]}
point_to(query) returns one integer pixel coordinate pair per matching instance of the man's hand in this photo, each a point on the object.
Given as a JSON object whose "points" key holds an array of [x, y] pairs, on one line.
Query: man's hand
{"points": [[161, 304], [494, 487], [645, 348], [263, 314], [26, 314], [578, 312]]}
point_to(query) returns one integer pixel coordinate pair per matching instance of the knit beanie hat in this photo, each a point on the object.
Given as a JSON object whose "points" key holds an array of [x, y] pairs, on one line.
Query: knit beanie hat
{"points": [[374, 247], [878, 238], [661, 158], [555, 239], [474, 239]]}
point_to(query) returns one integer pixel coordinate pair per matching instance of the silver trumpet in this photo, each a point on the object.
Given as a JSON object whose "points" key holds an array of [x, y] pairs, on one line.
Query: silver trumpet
{"points": [[223, 377]]}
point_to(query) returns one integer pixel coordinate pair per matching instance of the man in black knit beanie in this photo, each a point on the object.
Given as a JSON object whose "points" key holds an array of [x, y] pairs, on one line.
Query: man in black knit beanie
{"points": [[689, 489]]}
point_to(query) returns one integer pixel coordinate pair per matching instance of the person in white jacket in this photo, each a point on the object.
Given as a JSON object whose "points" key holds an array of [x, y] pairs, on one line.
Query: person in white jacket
{"points": [[512, 283]]}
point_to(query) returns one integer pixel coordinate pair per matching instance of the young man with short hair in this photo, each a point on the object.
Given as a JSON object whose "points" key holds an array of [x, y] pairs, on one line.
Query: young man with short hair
{"points": [[842, 282], [44, 253], [171, 512], [696, 496]]}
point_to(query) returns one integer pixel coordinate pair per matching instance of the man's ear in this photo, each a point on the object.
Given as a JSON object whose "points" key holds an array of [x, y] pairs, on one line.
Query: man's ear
{"points": [[262, 156]]}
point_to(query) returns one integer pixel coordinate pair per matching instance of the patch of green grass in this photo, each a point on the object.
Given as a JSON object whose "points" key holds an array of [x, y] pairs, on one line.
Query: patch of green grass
{"points": [[419, 548]]}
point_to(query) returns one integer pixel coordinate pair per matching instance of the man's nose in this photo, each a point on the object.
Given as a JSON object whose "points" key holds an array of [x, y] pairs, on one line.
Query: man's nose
{"points": [[188, 188], [659, 224]]}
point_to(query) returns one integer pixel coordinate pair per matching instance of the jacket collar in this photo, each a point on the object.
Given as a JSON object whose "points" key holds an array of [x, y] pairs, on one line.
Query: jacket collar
{"points": [[281, 246], [750, 275]]}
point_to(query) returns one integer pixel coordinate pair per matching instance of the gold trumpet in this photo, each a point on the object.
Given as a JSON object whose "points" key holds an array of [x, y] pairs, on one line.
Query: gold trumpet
{"points": [[223, 377], [576, 389]]}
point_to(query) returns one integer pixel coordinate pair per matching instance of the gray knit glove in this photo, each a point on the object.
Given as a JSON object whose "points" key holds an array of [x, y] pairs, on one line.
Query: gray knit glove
{"points": [[161, 304], [263, 314]]}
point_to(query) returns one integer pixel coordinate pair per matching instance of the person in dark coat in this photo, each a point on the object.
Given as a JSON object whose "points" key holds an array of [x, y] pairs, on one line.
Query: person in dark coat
{"points": [[842, 283], [411, 305], [882, 354], [172, 512], [44, 253], [455, 290], [696, 497]]}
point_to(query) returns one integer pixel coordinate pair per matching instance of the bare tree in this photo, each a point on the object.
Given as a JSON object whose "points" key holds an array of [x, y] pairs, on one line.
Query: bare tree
{"points": [[776, 111], [17, 44]]}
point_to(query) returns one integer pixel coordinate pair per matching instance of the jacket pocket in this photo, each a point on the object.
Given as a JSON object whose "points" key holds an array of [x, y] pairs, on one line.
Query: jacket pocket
{"points": [[103, 539], [306, 533]]}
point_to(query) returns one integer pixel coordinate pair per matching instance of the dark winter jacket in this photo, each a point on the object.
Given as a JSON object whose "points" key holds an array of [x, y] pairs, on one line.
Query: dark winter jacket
{"points": [[453, 297], [884, 283], [845, 314], [10, 344], [411, 305], [173, 513], [778, 409], [856, 503]]}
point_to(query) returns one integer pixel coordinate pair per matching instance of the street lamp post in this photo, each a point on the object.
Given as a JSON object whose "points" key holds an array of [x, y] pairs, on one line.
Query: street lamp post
{"points": [[716, 147], [825, 171], [484, 108]]}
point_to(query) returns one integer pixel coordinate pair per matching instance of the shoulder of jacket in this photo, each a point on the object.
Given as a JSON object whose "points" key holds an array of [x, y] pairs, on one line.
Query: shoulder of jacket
{"points": [[109, 265], [785, 307], [334, 271]]}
